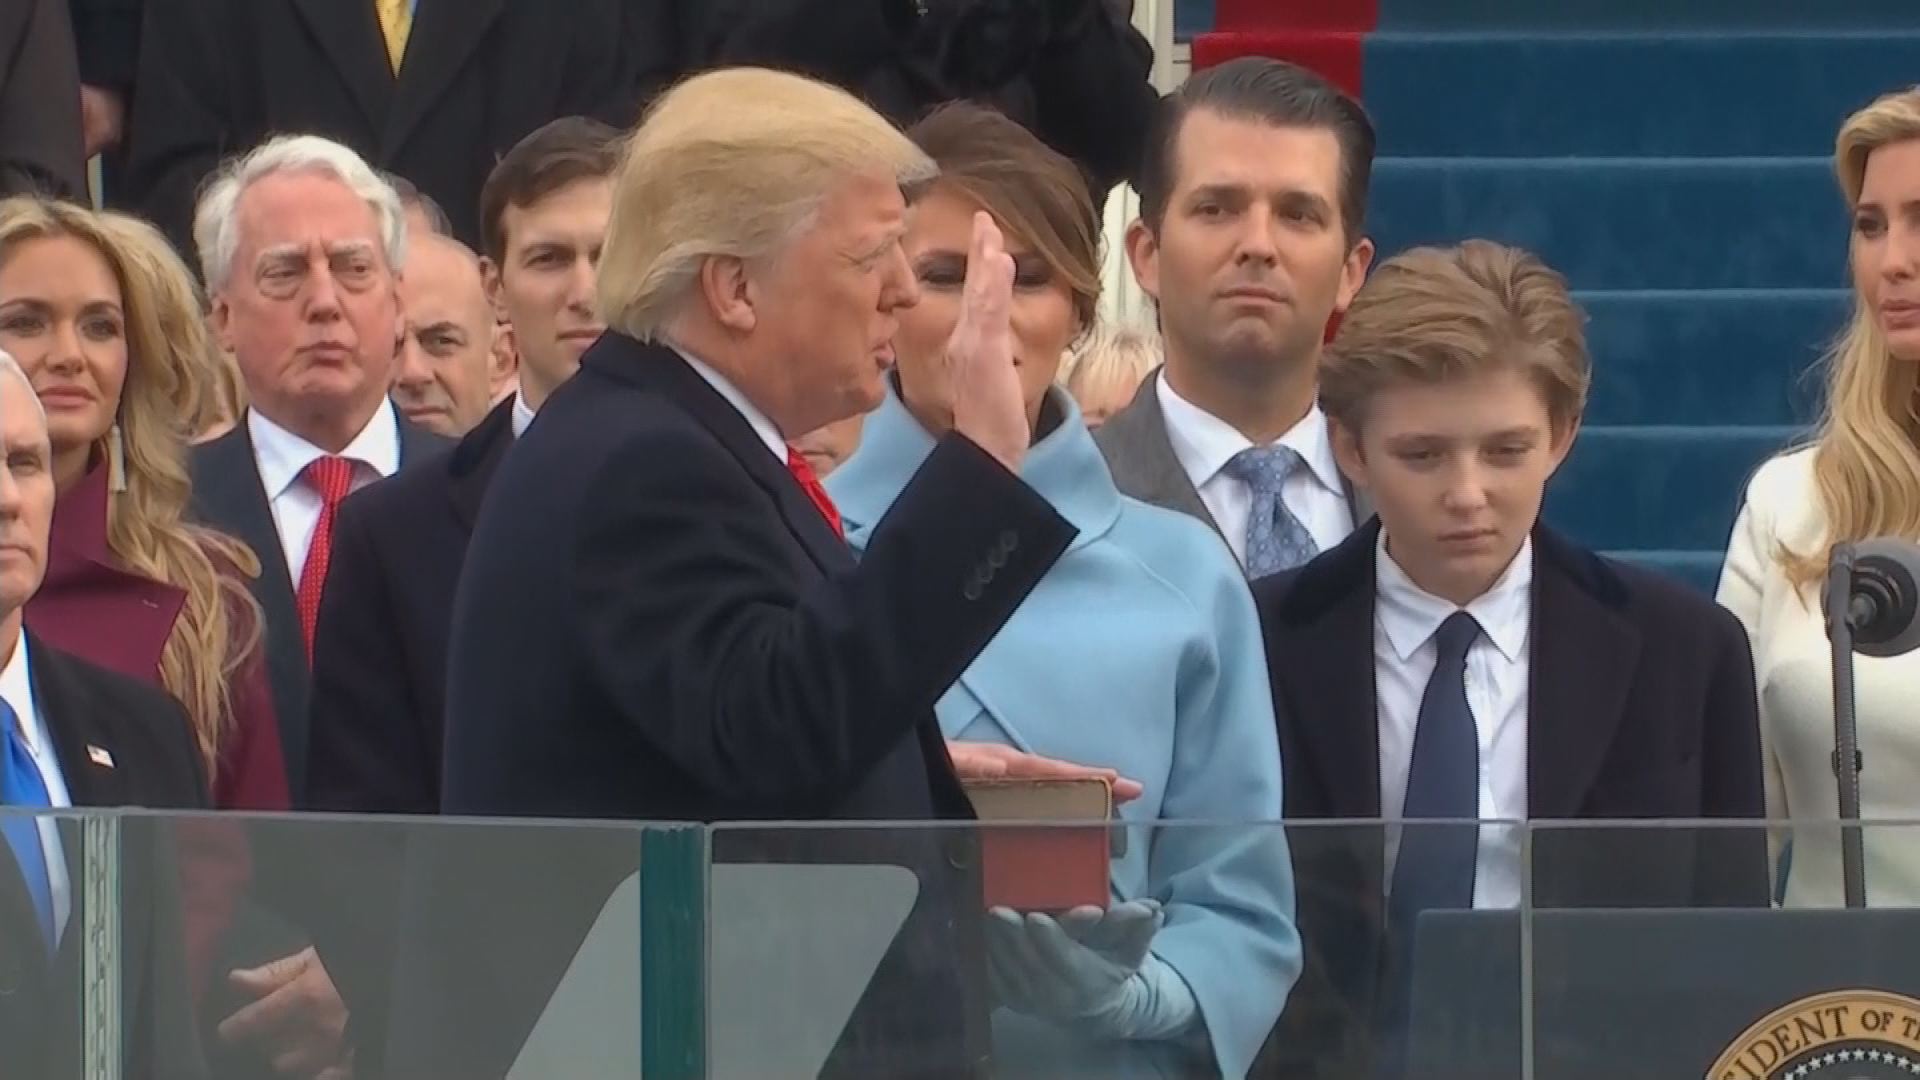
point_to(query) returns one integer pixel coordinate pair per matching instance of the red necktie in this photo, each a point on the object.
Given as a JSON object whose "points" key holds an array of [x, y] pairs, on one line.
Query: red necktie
{"points": [[331, 478], [809, 482]]}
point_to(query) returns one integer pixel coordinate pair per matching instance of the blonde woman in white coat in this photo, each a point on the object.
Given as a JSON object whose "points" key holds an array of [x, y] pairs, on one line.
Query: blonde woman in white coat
{"points": [[1860, 478]]}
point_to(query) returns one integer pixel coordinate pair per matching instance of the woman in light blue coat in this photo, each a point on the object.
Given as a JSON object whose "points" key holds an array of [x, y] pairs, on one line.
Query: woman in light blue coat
{"points": [[1139, 652]]}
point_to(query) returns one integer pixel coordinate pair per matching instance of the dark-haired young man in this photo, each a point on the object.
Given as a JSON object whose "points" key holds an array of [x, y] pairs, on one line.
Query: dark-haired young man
{"points": [[1251, 238]]}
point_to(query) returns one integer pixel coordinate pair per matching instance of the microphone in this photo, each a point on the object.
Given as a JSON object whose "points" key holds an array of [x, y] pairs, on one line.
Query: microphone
{"points": [[1872, 607], [1883, 604]]}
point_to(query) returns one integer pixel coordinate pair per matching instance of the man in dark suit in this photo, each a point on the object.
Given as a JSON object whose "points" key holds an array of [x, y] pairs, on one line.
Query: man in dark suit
{"points": [[434, 91], [40, 142], [1074, 72], [1251, 236], [301, 248], [658, 619], [75, 735], [379, 677], [1459, 660]]}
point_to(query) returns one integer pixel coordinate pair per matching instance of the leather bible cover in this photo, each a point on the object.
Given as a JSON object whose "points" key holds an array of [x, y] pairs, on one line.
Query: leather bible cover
{"points": [[1044, 867]]}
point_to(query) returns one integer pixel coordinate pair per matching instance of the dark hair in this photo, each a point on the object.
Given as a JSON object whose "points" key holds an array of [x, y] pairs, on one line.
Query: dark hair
{"points": [[1038, 196], [1273, 92], [412, 196], [558, 153]]}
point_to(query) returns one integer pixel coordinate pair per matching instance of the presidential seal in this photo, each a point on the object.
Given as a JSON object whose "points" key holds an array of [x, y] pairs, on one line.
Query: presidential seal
{"points": [[1843, 1035]]}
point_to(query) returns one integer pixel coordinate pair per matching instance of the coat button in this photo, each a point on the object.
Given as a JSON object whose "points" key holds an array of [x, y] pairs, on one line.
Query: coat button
{"points": [[972, 590], [1009, 541], [997, 559], [960, 853]]}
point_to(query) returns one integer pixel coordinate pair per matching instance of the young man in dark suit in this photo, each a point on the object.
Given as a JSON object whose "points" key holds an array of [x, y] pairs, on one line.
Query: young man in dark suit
{"points": [[75, 735], [1460, 660], [1252, 234]]}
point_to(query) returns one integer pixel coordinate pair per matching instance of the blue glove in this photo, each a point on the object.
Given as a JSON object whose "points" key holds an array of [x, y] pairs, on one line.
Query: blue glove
{"points": [[1090, 969]]}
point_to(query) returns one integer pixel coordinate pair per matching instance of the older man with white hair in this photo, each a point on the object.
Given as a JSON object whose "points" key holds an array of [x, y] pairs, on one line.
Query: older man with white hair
{"points": [[301, 243], [659, 618]]}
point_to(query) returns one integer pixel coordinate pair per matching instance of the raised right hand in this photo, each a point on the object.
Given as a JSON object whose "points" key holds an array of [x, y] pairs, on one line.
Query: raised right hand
{"points": [[988, 407]]}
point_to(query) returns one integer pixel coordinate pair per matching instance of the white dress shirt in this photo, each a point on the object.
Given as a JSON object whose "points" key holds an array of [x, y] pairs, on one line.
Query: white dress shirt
{"points": [[522, 414], [1406, 618], [281, 456], [1203, 443], [16, 686], [763, 427]]}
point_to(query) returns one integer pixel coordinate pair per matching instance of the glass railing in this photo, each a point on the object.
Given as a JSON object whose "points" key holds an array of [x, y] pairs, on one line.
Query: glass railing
{"points": [[232, 946]]}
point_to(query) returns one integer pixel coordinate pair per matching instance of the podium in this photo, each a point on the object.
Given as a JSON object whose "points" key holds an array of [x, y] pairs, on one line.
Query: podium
{"points": [[1666, 995]]}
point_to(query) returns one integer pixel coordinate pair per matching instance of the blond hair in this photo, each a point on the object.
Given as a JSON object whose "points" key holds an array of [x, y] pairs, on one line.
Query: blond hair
{"points": [[1865, 463], [735, 163], [219, 627], [1432, 315], [225, 399], [1113, 352]]}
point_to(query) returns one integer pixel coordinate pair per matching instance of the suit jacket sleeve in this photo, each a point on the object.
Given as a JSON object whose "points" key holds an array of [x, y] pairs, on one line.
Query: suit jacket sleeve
{"points": [[774, 690], [40, 144], [1229, 888], [838, 41], [1733, 860], [604, 70], [179, 126], [1093, 92], [364, 751], [659, 39], [107, 36]]}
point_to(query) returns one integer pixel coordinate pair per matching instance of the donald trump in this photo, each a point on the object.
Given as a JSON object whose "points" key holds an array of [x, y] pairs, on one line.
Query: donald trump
{"points": [[659, 619]]}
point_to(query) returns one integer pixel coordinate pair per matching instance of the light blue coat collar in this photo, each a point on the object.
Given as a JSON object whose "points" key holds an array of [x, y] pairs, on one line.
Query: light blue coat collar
{"points": [[1066, 468]]}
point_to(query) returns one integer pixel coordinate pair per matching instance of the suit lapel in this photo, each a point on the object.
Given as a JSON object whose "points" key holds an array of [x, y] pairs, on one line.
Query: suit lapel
{"points": [[228, 493], [470, 467], [81, 734], [349, 33], [660, 369], [1324, 660], [445, 33], [1584, 653], [1142, 458]]}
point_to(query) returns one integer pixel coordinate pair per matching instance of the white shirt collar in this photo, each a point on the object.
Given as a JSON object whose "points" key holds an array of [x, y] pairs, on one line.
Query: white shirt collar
{"points": [[1204, 443], [283, 456], [16, 687], [1411, 615], [522, 414], [763, 427]]}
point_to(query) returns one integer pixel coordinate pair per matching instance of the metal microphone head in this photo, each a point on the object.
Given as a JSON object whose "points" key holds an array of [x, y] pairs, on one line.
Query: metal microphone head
{"points": [[1884, 605]]}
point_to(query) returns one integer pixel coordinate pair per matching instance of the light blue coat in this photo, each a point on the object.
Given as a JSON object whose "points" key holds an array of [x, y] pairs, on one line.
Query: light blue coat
{"points": [[1140, 650]]}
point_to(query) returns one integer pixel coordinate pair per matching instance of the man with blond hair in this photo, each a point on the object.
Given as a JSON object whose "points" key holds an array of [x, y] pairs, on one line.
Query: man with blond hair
{"points": [[659, 618]]}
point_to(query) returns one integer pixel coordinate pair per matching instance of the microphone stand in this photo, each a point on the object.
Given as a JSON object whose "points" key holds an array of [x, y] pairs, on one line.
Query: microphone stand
{"points": [[1847, 760]]}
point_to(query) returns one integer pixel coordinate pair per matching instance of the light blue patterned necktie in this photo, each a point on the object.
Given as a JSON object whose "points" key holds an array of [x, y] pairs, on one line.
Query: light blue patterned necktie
{"points": [[1276, 540]]}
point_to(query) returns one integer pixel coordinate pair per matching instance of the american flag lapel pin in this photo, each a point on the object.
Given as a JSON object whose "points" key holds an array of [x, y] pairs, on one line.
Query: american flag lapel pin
{"points": [[99, 756]]}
